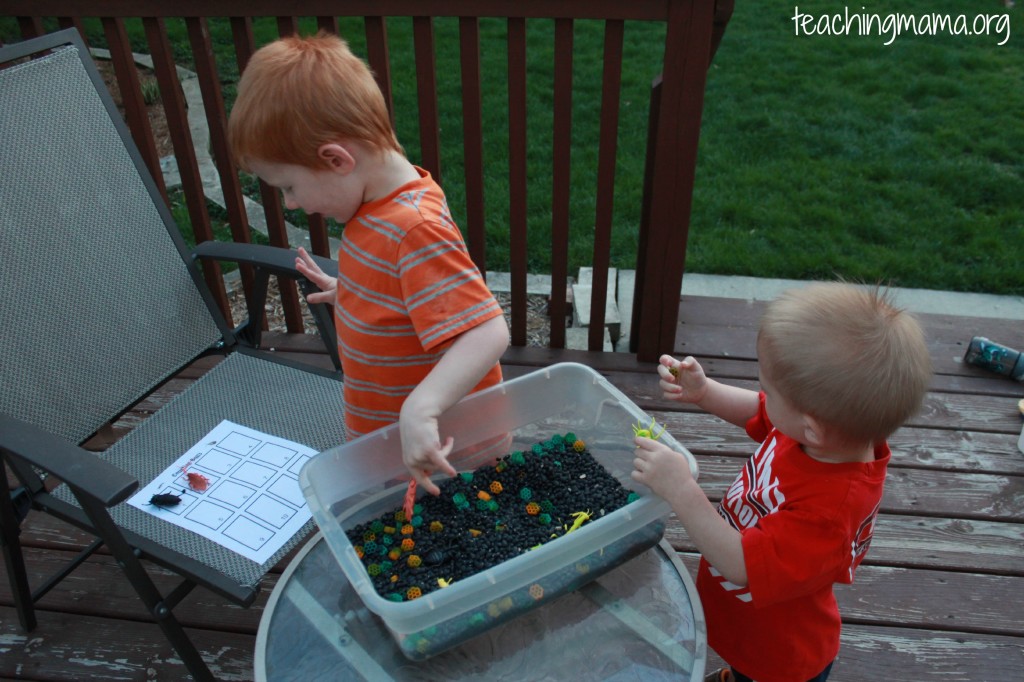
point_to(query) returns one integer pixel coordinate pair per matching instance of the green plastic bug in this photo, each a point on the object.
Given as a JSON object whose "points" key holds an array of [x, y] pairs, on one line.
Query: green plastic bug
{"points": [[647, 432]]}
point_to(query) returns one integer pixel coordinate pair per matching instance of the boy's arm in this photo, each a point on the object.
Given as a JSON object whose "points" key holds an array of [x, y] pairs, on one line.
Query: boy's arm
{"points": [[668, 475], [685, 381], [731, 403], [720, 543], [471, 355]]}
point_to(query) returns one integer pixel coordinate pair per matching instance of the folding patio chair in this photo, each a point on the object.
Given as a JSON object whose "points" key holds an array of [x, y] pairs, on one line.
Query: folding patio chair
{"points": [[102, 302]]}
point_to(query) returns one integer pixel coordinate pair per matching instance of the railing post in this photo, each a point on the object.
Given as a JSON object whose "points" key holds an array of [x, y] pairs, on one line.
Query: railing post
{"points": [[687, 54]]}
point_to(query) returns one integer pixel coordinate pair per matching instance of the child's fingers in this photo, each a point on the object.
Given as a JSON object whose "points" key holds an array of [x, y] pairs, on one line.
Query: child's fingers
{"points": [[642, 460], [436, 460], [643, 444], [670, 387], [321, 297], [440, 458], [423, 480], [307, 266], [304, 259], [666, 373], [671, 369]]}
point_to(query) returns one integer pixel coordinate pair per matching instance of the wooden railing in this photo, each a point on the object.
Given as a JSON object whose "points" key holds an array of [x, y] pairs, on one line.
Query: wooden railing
{"points": [[692, 31]]}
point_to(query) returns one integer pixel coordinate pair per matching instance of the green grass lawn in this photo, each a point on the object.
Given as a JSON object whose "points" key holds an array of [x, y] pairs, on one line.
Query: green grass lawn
{"points": [[825, 155], [820, 155]]}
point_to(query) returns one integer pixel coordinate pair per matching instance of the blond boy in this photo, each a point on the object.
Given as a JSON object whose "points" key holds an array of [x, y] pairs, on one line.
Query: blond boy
{"points": [[840, 369], [417, 327]]}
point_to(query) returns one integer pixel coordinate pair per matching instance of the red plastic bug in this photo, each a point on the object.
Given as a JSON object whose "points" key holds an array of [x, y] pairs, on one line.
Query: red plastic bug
{"points": [[197, 482]]}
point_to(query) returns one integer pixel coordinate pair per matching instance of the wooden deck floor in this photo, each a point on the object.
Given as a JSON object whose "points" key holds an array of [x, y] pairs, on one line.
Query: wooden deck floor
{"points": [[938, 598]]}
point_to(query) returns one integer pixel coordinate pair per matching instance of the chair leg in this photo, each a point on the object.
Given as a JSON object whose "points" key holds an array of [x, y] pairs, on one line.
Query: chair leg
{"points": [[14, 559], [183, 645], [162, 613], [147, 591]]}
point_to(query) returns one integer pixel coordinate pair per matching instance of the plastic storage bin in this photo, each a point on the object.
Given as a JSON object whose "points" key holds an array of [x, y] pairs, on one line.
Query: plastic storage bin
{"points": [[362, 479]]}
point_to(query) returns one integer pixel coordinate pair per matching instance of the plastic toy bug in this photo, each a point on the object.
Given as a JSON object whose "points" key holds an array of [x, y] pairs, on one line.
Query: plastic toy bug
{"points": [[439, 555], [410, 500], [165, 500], [197, 482], [647, 432], [580, 518]]}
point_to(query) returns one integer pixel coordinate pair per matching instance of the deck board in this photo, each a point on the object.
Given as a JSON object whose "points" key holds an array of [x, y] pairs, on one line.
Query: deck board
{"points": [[937, 597]]}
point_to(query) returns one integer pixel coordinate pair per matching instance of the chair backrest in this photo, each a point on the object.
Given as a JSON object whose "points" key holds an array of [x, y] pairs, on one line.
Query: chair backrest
{"points": [[100, 300]]}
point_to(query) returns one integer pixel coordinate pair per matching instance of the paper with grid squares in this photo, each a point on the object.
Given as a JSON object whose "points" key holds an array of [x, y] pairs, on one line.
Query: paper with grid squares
{"points": [[243, 494]]}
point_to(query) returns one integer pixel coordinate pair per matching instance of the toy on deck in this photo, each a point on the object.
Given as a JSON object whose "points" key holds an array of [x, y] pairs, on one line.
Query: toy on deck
{"points": [[994, 357]]}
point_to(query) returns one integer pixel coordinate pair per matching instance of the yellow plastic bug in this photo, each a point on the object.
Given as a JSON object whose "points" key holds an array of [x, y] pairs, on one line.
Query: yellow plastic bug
{"points": [[647, 432], [580, 518]]}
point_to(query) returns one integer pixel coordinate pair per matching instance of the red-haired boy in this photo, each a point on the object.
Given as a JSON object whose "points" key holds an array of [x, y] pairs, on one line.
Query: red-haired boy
{"points": [[417, 327]]}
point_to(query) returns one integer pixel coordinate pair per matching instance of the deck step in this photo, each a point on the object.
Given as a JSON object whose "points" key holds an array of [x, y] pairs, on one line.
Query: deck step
{"points": [[582, 304], [578, 338]]}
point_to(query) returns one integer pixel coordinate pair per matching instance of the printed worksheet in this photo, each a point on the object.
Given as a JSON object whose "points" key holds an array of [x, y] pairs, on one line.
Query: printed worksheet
{"points": [[236, 486]]}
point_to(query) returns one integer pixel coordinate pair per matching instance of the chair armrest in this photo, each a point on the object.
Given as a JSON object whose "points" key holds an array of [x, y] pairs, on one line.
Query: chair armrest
{"points": [[75, 466], [274, 260]]}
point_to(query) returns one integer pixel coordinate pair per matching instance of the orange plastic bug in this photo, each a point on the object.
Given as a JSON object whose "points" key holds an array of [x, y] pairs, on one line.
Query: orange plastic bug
{"points": [[197, 482], [410, 500]]}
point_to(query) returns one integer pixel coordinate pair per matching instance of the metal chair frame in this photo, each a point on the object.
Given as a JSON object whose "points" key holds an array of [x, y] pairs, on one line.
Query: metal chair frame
{"points": [[94, 487]]}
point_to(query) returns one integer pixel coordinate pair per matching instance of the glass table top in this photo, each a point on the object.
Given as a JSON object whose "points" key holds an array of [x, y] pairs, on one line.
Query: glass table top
{"points": [[640, 621]]}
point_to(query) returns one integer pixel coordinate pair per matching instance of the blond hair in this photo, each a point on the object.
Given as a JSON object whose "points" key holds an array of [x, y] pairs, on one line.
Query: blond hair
{"points": [[297, 94], [847, 356]]}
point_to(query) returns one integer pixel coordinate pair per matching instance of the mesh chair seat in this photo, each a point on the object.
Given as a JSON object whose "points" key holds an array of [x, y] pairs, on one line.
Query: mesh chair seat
{"points": [[300, 406]]}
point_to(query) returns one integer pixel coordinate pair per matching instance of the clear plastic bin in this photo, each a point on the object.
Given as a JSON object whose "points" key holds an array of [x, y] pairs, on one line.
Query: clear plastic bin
{"points": [[359, 481]]}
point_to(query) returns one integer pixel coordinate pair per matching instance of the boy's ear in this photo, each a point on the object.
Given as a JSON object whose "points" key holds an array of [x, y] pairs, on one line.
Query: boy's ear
{"points": [[337, 156], [814, 431]]}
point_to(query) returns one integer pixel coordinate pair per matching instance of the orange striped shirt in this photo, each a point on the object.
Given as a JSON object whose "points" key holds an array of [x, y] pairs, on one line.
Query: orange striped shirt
{"points": [[406, 288]]}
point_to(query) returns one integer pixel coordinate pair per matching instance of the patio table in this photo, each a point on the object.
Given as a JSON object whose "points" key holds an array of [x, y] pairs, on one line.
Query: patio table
{"points": [[641, 621]]}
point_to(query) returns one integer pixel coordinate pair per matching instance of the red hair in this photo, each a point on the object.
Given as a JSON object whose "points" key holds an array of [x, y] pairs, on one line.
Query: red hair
{"points": [[297, 94]]}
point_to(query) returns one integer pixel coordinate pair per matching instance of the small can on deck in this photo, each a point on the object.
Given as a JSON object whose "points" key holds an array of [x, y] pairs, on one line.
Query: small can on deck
{"points": [[994, 357]]}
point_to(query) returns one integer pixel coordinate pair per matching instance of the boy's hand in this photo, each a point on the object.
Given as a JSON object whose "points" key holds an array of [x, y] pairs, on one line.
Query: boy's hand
{"points": [[660, 468], [667, 473], [683, 381], [472, 354], [328, 285], [422, 451]]}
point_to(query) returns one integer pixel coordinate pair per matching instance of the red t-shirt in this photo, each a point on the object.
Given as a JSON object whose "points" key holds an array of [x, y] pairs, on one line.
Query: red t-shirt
{"points": [[805, 525], [406, 288]]}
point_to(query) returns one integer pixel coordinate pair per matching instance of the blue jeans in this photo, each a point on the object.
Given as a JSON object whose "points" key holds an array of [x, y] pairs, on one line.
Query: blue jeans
{"points": [[820, 677]]}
